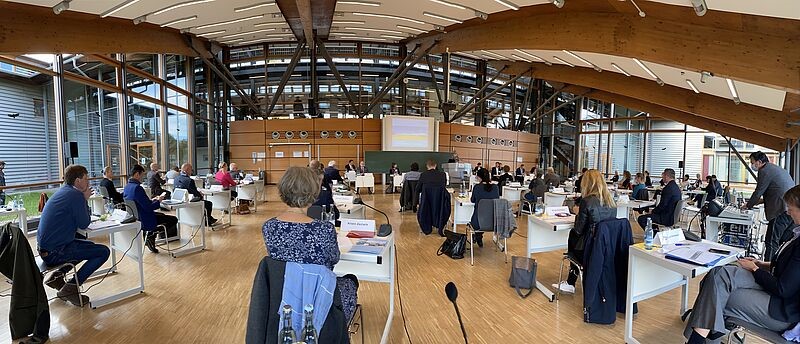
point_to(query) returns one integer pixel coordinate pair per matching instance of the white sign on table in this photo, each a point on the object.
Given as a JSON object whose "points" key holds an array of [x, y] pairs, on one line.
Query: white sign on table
{"points": [[343, 199], [669, 236], [349, 225], [554, 211]]}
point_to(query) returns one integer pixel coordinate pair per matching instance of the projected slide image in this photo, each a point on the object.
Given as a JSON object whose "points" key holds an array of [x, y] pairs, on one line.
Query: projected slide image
{"points": [[410, 133]]}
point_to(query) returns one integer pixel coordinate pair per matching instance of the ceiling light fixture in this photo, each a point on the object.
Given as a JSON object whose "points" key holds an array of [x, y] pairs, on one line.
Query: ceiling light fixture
{"points": [[562, 61], [394, 37], [269, 24], [388, 16], [248, 33], [732, 88], [704, 75], [253, 6], [232, 41], [650, 72], [441, 17], [618, 68], [508, 4], [495, 55], [359, 3], [559, 3], [212, 33], [691, 84], [229, 22], [140, 19], [344, 34], [178, 21], [412, 29], [257, 77], [117, 8], [449, 4], [61, 6], [641, 13], [348, 22], [179, 5], [537, 58], [515, 56], [373, 30], [583, 60]]}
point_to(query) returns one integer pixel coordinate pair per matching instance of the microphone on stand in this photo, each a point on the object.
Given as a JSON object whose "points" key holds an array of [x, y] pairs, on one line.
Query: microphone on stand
{"points": [[452, 294], [386, 228]]}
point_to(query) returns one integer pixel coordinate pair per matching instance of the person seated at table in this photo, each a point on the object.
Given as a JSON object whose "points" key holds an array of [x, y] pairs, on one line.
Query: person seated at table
{"points": [[362, 168], [173, 173], [580, 178], [146, 207], [483, 190], [393, 171], [235, 173], [184, 181], [497, 170], [685, 182], [766, 294], [596, 205], [519, 174], [224, 178], [413, 174], [292, 236], [626, 181], [332, 173], [351, 166], [551, 179], [664, 212], [536, 188], [325, 198], [698, 182], [717, 185], [534, 170], [710, 190], [155, 182], [478, 167], [505, 178], [108, 183], [639, 189], [647, 181], [615, 178], [63, 214]]}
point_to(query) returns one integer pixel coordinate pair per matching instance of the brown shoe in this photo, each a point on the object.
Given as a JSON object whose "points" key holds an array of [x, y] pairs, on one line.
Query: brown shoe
{"points": [[69, 292], [56, 280]]}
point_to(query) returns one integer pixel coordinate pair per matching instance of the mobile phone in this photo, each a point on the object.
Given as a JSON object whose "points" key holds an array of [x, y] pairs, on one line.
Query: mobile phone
{"points": [[718, 251], [163, 194]]}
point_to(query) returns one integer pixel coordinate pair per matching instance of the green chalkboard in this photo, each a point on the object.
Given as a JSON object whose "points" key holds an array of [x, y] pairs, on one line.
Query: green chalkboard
{"points": [[381, 161]]}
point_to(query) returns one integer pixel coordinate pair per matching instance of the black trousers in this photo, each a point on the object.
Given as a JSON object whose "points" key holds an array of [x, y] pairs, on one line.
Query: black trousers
{"points": [[168, 221], [574, 270], [208, 205]]}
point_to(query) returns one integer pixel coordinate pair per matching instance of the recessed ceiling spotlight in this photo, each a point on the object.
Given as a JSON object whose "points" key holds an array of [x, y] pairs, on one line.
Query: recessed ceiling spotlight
{"points": [[61, 6], [559, 3], [700, 7]]}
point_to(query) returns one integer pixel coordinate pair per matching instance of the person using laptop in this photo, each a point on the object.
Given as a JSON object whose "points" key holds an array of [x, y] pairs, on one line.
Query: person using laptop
{"points": [[63, 214], [184, 181], [146, 207]]}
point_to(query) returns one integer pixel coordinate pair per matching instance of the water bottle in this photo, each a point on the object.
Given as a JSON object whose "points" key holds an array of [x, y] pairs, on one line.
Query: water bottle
{"points": [[287, 334], [309, 334], [109, 206], [462, 193], [20, 203], [648, 235], [331, 214], [539, 207]]}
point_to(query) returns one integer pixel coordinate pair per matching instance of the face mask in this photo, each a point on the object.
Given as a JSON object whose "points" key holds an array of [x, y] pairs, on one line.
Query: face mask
{"points": [[753, 167]]}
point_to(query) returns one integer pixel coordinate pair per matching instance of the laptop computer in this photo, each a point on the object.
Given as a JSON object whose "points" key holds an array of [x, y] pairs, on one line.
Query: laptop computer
{"points": [[178, 196]]}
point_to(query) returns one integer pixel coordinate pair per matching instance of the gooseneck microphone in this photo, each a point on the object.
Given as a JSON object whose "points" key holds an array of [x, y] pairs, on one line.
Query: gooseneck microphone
{"points": [[386, 228], [452, 294]]}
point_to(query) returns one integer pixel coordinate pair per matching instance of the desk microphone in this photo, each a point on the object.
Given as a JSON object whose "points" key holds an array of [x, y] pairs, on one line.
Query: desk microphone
{"points": [[452, 294], [386, 228]]}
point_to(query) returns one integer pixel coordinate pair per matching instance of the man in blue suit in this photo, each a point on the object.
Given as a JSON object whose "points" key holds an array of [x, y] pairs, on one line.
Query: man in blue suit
{"points": [[184, 181], [146, 208], [664, 212]]}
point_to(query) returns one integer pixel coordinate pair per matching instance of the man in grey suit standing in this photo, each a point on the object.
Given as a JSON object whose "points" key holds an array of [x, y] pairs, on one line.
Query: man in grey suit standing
{"points": [[772, 183]]}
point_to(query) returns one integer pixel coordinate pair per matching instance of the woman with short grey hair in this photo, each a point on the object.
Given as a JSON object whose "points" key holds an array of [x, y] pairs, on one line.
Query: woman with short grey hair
{"points": [[295, 237]]}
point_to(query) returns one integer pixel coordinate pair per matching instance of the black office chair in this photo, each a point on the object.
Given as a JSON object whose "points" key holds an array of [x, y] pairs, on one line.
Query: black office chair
{"points": [[738, 326], [315, 212], [486, 215]]}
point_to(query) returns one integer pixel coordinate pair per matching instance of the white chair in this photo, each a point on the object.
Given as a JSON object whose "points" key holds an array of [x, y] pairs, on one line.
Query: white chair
{"points": [[192, 214], [221, 200], [365, 181], [198, 182], [554, 200], [248, 192], [350, 176], [690, 212], [260, 190]]}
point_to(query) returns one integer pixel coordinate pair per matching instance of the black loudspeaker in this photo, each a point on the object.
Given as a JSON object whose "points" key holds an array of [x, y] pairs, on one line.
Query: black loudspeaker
{"points": [[680, 164], [70, 149]]}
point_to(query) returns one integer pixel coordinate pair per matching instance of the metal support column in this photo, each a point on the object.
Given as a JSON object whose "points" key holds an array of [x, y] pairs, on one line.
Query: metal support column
{"points": [[392, 81], [745, 163], [163, 129], [402, 86], [433, 81], [480, 115], [61, 111], [325, 55], [491, 94], [513, 115], [286, 75], [314, 101], [446, 80]]}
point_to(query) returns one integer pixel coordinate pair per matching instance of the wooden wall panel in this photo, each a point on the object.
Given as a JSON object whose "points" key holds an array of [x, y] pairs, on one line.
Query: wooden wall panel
{"points": [[502, 134], [527, 137], [350, 152], [328, 151], [372, 125], [467, 130], [333, 124], [241, 152], [243, 139], [285, 125], [366, 148], [247, 126], [372, 138], [444, 128], [528, 147]]}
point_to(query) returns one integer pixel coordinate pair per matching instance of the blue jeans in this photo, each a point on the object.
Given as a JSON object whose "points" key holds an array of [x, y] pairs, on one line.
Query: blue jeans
{"points": [[76, 251]]}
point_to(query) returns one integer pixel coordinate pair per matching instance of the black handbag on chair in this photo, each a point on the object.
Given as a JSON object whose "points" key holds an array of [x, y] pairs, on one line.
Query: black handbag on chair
{"points": [[454, 245]]}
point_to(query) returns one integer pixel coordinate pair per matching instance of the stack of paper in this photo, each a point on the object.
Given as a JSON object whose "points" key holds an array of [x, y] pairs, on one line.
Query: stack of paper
{"points": [[371, 246], [102, 224], [694, 254]]}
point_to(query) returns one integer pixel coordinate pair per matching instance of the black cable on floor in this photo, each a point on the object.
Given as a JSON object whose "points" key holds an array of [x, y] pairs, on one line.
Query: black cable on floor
{"points": [[400, 296]]}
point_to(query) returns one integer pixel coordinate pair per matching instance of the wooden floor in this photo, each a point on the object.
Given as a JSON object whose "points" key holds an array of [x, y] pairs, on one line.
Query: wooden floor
{"points": [[203, 297]]}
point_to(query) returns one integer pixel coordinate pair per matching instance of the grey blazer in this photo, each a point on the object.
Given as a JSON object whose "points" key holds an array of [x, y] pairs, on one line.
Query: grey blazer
{"points": [[773, 182], [552, 180]]}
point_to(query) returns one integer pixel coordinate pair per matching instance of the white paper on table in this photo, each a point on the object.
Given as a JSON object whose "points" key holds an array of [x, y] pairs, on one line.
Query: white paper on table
{"points": [[215, 188], [102, 224], [552, 211], [118, 215], [695, 254], [343, 199]]}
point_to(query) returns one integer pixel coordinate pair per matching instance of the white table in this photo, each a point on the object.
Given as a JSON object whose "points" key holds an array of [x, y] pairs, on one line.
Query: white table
{"points": [[371, 268], [367, 180], [650, 274], [545, 234], [351, 211], [193, 215], [22, 218], [462, 211], [122, 238], [513, 194], [713, 223], [623, 209], [220, 200]]}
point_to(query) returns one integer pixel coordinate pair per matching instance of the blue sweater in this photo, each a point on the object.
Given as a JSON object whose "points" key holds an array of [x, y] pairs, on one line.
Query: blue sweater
{"points": [[62, 216], [144, 206]]}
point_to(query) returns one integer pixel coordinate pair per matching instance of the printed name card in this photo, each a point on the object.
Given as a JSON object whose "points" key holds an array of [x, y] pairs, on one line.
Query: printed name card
{"points": [[358, 225], [669, 236], [560, 190], [552, 211], [343, 199]]}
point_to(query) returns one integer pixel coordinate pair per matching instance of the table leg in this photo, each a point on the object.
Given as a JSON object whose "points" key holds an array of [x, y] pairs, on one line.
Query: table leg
{"points": [[136, 254], [542, 288], [629, 301], [685, 296], [389, 317]]}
